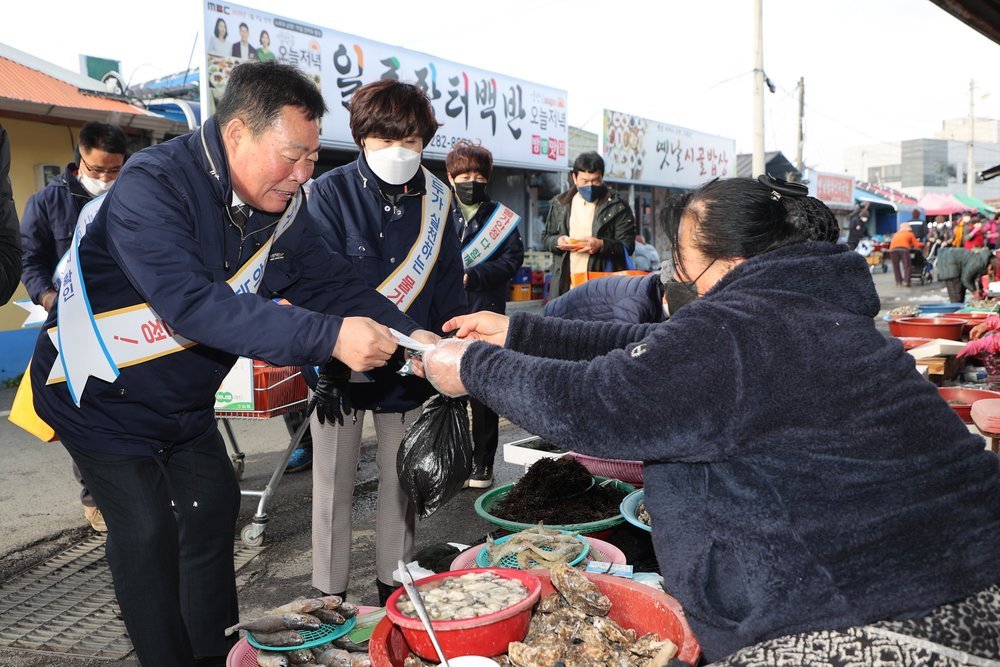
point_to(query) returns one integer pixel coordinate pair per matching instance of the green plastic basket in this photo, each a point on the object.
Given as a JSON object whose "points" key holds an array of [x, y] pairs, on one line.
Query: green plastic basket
{"points": [[325, 633], [488, 500], [510, 561]]}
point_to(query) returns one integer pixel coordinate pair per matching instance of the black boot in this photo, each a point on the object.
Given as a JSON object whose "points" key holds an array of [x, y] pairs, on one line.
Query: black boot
{"points": [[384, 591]]}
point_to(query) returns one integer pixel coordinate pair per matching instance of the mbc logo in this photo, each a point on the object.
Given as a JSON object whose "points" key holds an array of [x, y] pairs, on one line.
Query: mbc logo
{"points": [[219, 9]]}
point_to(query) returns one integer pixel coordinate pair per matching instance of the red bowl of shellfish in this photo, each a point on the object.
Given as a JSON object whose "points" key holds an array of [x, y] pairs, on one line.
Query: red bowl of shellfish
{"points": [[486, 635]]}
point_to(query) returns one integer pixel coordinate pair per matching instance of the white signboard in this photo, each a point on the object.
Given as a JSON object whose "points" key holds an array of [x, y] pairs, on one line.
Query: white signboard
{"points": [[834, 190], [236, 390], [522, 123], [639, 150]]}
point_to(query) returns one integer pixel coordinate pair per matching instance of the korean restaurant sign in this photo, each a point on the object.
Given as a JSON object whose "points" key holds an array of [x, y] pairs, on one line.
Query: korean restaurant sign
{"points": [[640, 150], [834, 190], [521, 123]]}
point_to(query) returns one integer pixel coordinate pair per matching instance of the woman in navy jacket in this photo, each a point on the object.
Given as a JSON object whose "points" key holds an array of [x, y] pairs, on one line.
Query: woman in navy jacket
{"points": [[492, 252], [801, 514], [389, 217]]}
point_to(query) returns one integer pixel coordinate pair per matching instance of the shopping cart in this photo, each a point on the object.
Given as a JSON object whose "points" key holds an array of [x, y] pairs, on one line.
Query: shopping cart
{"points": [[269, 391]]}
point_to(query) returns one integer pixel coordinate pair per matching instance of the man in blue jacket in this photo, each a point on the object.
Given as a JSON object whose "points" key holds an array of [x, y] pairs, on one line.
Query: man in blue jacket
{"points": [[180, 268], [47, 226]]}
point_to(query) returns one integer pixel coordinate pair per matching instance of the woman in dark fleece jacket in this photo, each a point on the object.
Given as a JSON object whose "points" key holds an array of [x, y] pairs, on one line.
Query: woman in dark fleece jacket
{"points": [[792, 492]]}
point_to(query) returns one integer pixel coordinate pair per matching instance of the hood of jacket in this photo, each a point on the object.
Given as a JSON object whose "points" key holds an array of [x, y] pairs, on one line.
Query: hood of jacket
{"points": [[829, 274]]}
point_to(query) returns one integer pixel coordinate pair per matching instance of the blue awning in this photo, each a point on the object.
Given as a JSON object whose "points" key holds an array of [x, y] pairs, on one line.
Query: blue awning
{"points": [[864, 196]]}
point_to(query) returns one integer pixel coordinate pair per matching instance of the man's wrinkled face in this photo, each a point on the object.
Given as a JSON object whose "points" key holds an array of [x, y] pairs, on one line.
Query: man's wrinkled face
{"points": [[268, 169]]}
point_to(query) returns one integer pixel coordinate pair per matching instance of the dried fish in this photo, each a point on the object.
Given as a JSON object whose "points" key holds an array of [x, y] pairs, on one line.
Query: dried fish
{"points": [[282, 638], [276, 623], [332, 656], [302, 606], [269, 659]]}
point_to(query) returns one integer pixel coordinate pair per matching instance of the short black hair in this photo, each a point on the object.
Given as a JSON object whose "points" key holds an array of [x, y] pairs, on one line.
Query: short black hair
{"points": [[108, 138], [390, 109], [258, 91], [591, 162], [221, 22], [244, 25], [741, 217]]}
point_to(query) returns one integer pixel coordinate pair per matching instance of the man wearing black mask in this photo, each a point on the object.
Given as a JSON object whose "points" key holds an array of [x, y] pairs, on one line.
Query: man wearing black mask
{"points": [[589, 227], [492, 252]]}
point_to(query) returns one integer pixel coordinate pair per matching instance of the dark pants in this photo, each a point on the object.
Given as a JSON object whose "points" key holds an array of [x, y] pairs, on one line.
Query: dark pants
{"points": [[292, 422], [85, 498], [172, 566], [485, 433], [956, 290], [901, 256]]}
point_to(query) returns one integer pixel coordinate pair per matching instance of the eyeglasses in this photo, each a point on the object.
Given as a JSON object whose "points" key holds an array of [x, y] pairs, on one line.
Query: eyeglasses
{"points": [[100, 171]]}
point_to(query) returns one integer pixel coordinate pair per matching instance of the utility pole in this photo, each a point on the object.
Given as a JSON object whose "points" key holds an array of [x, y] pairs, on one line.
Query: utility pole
{"points": [[758, 89], [970, 168], [802, 113]]}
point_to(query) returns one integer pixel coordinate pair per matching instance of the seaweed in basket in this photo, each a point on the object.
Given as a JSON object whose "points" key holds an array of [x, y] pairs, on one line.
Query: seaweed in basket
{"points": [[554, 492]]}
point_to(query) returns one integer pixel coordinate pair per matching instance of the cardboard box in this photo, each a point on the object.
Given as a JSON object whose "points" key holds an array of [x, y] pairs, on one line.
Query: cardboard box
{"points": [[521, 292]]}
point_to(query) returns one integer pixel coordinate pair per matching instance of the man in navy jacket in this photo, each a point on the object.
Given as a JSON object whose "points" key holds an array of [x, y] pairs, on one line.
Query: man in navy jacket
{"points": [[47, 226], [181, 220]]}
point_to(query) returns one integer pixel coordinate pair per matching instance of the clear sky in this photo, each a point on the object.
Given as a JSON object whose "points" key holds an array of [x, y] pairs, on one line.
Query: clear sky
{"points": [[875, 70]]}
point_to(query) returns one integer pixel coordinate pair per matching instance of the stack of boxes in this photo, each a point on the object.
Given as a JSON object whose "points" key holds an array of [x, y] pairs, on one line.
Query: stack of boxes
{"points": [[520, 285], [531, 282]]}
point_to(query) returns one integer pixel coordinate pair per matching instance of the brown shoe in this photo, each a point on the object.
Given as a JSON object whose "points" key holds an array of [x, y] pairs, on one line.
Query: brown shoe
{"points": [[95, 518]]}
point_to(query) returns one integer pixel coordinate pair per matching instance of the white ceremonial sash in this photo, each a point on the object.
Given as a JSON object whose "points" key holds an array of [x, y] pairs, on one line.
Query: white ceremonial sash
{"points": [[404, 285], [98, 345], [490, 236]]}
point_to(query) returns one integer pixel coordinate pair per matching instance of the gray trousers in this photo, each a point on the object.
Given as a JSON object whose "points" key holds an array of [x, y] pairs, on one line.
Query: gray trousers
{"points": [[334, 467]]}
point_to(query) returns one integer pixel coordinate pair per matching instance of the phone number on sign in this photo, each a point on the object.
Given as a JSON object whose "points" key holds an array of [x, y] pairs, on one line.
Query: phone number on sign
{"points": [[440, 141]]}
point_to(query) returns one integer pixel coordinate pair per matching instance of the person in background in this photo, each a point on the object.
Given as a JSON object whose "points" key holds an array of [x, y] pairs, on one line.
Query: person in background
{"points": [[264, 51], [10, 236], [243, 49], [492, 253], [858, 227], [587, 225], [191, 248], [47, 227], [899, 250], [991, 230], [644, 256], [217, 45], [388, 216], [975, 236], [794, 525], [959, 230], [961, 270]]}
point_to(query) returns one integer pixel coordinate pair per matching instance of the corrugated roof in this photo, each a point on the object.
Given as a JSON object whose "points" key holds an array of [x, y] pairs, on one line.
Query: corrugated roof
{"points": [[23, 84]]}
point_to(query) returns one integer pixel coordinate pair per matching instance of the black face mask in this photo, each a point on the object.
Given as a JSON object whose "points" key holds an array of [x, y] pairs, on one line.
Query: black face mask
{"points": [[471, 193], [679, 293]]}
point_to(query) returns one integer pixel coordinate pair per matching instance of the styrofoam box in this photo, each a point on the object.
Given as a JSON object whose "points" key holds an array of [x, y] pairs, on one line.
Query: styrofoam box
{"points": [[517, 454]]}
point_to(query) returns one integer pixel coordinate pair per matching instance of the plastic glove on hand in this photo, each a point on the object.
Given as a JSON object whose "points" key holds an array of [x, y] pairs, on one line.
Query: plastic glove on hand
{"points": [[333, 393], [442, 366]]}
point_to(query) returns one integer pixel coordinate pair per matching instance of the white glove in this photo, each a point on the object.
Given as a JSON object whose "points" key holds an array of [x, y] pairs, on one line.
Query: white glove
{"points": [[442, 366]]}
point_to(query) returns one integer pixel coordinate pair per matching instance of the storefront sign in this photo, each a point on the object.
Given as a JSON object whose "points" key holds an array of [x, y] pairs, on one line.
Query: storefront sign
{"points": [[640, 150], [834, 190], [522, 123]]}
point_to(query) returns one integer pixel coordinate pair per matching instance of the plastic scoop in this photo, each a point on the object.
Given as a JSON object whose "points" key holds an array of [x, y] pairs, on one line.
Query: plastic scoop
{"points": [[411, 590]]}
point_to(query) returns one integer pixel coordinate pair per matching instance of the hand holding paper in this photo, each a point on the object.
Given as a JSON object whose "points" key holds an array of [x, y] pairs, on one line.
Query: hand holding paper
{"points": [[484, 325]]}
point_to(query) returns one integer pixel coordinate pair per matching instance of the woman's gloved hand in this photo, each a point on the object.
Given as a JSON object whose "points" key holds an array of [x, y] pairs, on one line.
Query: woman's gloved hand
{"points": [[332, 394], [442, 366]]}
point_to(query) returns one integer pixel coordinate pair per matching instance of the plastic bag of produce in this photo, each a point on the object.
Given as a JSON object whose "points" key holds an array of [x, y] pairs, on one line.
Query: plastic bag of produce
{"points": [[435, 457]]}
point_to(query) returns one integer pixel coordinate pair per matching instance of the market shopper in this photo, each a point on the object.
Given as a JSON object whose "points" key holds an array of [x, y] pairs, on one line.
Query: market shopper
{"points": [[961, 270], [50, 216], [10, 237], [389, 216], [589, 227], [899, 251], [858, 226], [799, 512], [184, 258], [492, 252]]}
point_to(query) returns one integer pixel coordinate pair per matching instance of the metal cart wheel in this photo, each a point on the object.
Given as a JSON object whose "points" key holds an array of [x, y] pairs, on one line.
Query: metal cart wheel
{"points": [[250, 536]]}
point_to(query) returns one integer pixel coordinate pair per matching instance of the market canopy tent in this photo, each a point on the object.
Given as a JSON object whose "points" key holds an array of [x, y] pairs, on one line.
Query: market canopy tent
{"points": [[977, 203], [937, 203]]}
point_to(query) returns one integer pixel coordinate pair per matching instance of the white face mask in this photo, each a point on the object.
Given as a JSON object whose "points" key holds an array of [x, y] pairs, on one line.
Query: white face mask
{"points": [[95, 186], [394, 165], [666, 310]]}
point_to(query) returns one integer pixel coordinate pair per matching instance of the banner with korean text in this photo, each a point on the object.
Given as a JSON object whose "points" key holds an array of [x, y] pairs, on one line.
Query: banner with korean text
{"points": [[648, 152], [522, 123], [834, 190]]}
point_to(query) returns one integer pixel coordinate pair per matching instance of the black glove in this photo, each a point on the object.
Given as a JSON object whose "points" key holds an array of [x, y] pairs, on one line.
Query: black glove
{"points": [[332, 395]]}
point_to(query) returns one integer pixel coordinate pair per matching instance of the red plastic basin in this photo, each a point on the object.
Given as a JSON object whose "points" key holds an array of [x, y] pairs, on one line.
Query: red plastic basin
{"points": [[961, 399], [634, 606], [971, 319], [927, 327], [486, 635], [909, 343]]}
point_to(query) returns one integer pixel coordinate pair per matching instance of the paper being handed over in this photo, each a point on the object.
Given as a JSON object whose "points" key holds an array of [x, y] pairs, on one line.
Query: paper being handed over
{"points": [[410, 343]]}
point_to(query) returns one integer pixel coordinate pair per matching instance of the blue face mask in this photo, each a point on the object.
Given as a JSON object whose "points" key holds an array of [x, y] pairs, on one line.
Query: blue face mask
{"points": [[592, 193]]}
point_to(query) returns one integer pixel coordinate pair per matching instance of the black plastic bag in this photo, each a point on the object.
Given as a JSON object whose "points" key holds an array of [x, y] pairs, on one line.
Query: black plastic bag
{"points": [[435, 457]]}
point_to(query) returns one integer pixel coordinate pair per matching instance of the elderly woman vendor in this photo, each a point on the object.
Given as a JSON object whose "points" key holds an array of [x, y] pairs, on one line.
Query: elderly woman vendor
{"points": [[793, 494]]}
